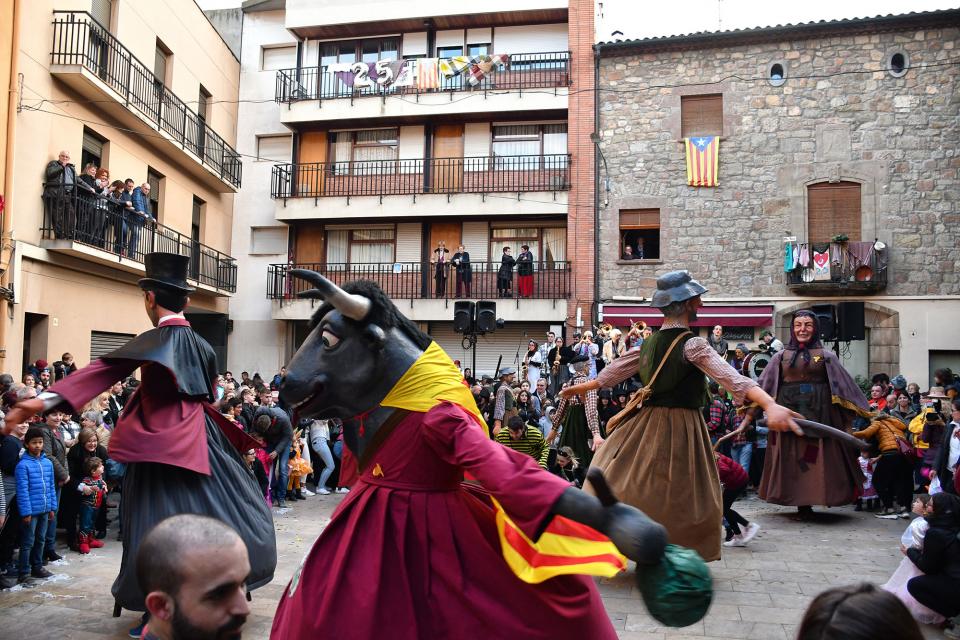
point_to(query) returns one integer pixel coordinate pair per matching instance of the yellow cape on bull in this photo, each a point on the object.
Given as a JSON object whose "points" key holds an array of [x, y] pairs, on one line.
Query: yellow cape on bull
{"points": [[565, 547]]}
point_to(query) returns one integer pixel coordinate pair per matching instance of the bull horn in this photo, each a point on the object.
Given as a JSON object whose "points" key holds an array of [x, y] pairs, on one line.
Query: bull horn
{"points": [[351, 305]]}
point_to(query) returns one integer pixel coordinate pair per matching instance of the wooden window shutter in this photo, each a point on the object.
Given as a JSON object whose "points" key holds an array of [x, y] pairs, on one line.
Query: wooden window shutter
{"points": [[833, 209], [701, 115], [640, 219]]}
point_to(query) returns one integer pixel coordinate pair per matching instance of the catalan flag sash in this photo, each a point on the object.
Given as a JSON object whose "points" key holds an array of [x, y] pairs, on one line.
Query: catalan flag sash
{"points": [[703, 160], [565, 547]]}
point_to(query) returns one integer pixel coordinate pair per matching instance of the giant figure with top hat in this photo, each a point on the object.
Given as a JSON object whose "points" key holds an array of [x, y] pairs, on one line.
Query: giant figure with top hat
{"points": [[182, 456]]}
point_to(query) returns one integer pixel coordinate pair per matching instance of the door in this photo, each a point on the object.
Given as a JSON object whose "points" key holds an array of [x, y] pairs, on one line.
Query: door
{"points": [[310, 168], [446, 232], [308, 245], [448, 158]]}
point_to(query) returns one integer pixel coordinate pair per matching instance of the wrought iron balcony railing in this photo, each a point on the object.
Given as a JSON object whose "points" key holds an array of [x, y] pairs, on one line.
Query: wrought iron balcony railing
{"points": [[419, 280], [105, 224], [78, 39], [521, 71], [499, 174], [850, 267]]}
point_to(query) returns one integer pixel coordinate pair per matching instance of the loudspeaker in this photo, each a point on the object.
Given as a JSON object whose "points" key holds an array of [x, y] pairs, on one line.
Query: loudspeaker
{"points": [[463, 314], [486, 316], [826, 320], [850, 324]]}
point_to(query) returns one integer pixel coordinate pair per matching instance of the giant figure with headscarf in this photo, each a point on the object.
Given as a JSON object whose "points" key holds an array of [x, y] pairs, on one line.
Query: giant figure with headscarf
{"points": [[804, 471]]}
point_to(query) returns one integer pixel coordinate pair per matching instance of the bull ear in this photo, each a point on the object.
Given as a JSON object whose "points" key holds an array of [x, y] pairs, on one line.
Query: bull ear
{"points": [[376, 335], [351, 305]]}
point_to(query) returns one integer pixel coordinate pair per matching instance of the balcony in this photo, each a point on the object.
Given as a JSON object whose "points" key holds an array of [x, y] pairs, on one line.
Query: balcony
{"points": [[415, 282], [307, 90], [86, 56], [97, 229], [854, 268], [379, 186]]}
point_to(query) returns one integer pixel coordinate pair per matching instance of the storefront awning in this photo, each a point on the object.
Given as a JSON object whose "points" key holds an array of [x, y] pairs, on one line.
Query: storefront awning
{"points": [[622, 315]]}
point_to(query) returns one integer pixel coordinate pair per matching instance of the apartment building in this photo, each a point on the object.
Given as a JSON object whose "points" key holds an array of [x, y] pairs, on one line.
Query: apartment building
{"points": [[147, 90], [381, 130], [837, 146]]}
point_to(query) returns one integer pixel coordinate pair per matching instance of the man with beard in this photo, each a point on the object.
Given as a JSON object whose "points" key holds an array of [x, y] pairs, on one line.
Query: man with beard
{"points": [[194, 571]]}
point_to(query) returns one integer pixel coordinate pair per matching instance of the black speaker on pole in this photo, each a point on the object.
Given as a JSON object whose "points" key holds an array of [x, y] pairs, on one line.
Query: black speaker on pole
{"points": [[826, 320], [486, 316], [463, 313], [850, 323]]}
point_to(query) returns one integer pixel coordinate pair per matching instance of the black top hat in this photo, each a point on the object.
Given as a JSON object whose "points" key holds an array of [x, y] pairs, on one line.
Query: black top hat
{"points": [[578, 359], [166, 271]]}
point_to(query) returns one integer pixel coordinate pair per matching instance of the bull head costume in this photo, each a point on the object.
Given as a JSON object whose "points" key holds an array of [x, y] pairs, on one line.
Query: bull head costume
{"points": [[359, 351]]}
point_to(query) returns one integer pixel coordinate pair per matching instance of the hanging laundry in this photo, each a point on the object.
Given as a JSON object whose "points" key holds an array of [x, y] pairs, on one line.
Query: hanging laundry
{"points": [[788, 261], [804, 260], [428, 73], [836, 254], [821, 265], [450, 67], [860, 253], [404, 74], [483, 65]]}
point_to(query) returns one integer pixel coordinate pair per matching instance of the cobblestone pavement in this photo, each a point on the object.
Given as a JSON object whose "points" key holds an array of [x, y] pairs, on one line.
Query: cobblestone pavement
{"points": [[760, 591]]}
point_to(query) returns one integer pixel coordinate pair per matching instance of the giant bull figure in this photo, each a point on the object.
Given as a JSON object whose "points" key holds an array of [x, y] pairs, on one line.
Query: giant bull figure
{"points": [[412, 552]]}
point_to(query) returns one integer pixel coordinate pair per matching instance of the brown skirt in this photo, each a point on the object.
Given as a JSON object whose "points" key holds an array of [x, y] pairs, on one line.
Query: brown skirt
{"points": [[661, 462]]}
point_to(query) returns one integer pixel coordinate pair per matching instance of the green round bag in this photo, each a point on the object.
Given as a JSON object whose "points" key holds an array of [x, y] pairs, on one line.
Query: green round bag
{"points": [[678, 591]]}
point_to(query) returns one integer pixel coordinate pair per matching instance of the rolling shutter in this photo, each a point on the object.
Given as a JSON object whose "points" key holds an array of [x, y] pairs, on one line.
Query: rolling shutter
{"points": [[640, 219], [101, 10], [489, 347], [103, 342], [833, 209], [701, 115]]}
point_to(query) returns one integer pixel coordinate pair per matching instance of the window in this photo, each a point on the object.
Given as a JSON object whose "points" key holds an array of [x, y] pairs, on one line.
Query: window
{"points": [[478, 49], [897, 64], [92, 150], [366, 152], [701, 116], [268, 240], [154, 179], [833, 209], [196, 228], [449, 52], [274, 148], [367, 50], [203, 104], [102, 12], [161, 60], [640, 230], [276, 58], [777, 74], [547, 244], [361, 246], [528, 146]]}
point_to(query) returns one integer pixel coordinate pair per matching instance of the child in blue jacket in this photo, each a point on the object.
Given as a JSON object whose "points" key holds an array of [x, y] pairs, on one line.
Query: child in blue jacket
{"points": [[37, 501]]}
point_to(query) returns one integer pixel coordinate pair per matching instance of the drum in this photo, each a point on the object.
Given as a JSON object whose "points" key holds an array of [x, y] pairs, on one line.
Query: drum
{"points": [[755, 363]]}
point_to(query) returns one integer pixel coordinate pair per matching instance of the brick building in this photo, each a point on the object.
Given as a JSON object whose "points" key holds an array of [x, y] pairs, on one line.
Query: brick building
{"points": [[830, 129]]}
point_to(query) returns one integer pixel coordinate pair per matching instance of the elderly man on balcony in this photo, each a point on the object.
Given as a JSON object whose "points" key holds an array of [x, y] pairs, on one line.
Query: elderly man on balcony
{"points": [[60, 178], [141, 216]]}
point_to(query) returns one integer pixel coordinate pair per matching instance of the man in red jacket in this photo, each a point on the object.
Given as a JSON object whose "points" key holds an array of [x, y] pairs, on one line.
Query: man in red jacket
{"points": [[734, 479]]}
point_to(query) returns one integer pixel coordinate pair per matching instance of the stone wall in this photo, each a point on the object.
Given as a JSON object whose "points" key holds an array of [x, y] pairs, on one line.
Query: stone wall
{"points": [[840, 115]]}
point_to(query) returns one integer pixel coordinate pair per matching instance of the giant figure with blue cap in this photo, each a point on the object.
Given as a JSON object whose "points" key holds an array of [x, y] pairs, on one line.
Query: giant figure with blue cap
{"points": [[657, 455]]}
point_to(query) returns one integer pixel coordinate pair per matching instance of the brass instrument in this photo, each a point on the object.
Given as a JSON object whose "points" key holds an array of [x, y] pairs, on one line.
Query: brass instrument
{"points": [[555, 367], [523, 368]]}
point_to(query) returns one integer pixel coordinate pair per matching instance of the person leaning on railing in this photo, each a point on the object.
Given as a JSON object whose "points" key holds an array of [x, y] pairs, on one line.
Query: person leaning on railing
{"points": [[60, 179]]}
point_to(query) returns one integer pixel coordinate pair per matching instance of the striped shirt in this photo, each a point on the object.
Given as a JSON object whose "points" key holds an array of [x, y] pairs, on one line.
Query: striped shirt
{"points": [[531, 444]]}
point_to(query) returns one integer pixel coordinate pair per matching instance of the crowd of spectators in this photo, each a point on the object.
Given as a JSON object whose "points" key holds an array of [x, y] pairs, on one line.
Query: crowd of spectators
{"points": [[91, 208]]}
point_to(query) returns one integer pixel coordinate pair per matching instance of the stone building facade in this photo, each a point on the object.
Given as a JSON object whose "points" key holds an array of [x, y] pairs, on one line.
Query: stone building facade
{"points": [[870, 104]]}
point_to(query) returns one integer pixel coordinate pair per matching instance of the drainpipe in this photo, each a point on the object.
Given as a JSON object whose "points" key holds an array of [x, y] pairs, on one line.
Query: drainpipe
{"points": [[596, 182], [6, 235]]}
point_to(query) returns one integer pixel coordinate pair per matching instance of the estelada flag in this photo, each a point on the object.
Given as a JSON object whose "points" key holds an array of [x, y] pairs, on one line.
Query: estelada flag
{"points": [[565, 547], [703, 160]]}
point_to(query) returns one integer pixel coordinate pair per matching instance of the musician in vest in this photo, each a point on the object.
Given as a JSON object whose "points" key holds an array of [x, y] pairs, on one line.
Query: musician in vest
{"points": [[658, 454]]}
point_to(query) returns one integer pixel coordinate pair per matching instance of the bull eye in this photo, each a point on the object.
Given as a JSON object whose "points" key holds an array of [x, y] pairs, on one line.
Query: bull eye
{"points": [[329, 339]]}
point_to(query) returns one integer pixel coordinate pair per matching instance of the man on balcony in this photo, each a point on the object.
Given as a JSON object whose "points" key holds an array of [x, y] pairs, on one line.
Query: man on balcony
{"points": [[60, 178], [461, 261], [505, 274], [525, 272], [440, 266], [142, 215]]}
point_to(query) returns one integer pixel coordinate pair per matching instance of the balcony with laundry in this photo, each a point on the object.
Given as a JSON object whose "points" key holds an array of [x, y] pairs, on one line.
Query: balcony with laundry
{"points": [[382, 173], [96, 64], [412, 75], [841, 267]]}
